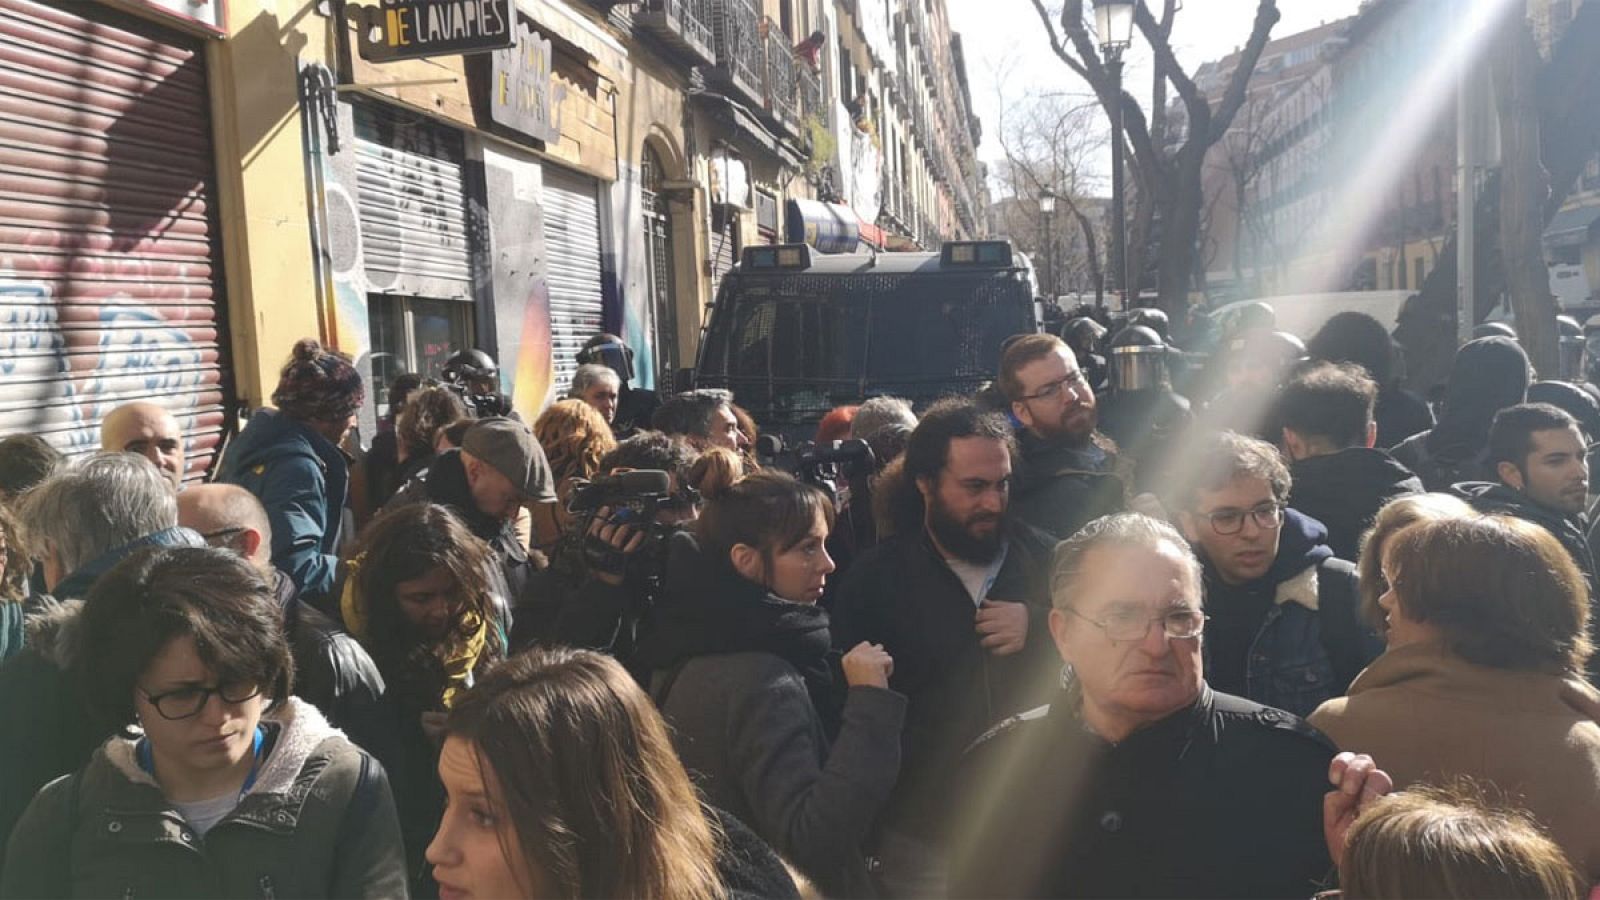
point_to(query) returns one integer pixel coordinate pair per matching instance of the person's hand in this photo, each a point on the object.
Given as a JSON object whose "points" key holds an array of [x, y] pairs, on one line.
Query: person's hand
{"points": [[868, 665], [1003, 626], [1582, 697], [608, 545], [1357, 781]]}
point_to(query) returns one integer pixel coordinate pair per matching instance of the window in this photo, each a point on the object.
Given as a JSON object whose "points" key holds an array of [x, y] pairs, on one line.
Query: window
{"points": [[413, 334]]}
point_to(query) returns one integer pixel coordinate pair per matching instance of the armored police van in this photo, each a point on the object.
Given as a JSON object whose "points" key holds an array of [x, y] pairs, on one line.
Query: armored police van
{"points": [[795, 333]]}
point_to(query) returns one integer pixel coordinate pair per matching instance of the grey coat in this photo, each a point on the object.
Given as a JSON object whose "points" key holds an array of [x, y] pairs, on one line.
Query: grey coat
{"points": [[746, 730], [318, 822]]}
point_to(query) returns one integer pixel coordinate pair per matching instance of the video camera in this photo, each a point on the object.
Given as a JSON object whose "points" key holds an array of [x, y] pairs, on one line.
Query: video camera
{"points": [[832, 466], [481, 405], [631, 498]]}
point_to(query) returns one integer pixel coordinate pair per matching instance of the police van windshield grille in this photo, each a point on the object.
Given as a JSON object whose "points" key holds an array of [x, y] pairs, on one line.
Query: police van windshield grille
{"points": [[811, 341]]}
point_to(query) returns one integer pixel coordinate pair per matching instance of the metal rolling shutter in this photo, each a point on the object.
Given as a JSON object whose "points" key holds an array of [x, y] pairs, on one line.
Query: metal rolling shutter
{"points": [[109, 275], [572, 238], [724, 245], [412, 205]]}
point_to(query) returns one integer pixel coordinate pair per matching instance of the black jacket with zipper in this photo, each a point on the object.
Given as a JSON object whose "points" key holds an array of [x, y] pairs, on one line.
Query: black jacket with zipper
{"points": [[901, 594], [1344, 491]]}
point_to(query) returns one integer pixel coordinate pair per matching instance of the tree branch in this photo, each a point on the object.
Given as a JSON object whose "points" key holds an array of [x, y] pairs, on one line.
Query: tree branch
{"points": [[1266, 16], [1167, 62], [1055, 44]]}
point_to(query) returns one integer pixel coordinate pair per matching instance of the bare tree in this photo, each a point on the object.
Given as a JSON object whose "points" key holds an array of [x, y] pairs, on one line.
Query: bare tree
{"points": [[1166, 173], [1049, 141], [1565, 100]]}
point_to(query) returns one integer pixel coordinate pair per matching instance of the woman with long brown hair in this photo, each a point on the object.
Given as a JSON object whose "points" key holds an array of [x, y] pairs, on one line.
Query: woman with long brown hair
{"points": [[562, 782], [421, 597]]}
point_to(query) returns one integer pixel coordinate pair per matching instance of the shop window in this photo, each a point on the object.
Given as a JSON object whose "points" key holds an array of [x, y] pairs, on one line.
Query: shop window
{"points": [[413, 334]]}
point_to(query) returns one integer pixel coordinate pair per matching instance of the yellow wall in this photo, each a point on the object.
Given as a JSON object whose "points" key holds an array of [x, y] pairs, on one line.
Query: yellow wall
{"points": [[261, 179]]}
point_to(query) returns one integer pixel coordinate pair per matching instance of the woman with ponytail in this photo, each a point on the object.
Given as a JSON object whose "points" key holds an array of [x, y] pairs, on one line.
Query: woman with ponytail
{"points": [[777, 729]]}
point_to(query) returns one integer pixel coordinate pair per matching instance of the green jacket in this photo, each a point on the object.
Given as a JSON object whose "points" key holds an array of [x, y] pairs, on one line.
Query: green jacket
{"points": [[318, 822]]}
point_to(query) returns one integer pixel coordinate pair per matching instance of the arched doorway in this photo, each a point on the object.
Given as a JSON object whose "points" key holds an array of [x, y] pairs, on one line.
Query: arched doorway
{"points": [[658, 250]]}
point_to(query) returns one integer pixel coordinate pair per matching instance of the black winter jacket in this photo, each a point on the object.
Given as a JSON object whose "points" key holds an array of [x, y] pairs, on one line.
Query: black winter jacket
{"points": [[331, 670], [445, 483], [901, 594], [1220, 799], [1345, 490], [1060, 489]]}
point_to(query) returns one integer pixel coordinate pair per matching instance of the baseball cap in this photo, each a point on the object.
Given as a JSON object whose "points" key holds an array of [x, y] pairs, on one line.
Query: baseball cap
{"points": [[510, 448]]}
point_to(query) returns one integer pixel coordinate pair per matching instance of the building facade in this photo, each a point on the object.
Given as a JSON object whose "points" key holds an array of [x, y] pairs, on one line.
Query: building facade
{"points": [[193, 186]]}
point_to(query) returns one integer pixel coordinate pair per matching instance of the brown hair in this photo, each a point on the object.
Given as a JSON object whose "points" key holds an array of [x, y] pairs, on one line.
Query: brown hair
{"points": [[404, 544], [1394, 516], [769, 511], [1503, 592], [586, 771], [715, 471], [1449, 842], [1019, 353], [427, 411], [1218, 459], [15, 559], [575, 437], [161, 593]]}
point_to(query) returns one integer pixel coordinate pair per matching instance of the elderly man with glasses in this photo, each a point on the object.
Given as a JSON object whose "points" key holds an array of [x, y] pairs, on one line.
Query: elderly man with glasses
{"points": [[1284, 629], [1138, 779], [1065, 477]]}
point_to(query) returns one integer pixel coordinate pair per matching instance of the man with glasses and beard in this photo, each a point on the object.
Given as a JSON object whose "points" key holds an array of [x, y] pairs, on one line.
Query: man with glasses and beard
{"points": [[1064, 479], [958, 595], [1284, 627]]}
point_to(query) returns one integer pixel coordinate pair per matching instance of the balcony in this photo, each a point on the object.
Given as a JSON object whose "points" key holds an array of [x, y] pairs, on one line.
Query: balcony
{"points": [[812, 102], [736, 34], [780, 81], [683, 25]]}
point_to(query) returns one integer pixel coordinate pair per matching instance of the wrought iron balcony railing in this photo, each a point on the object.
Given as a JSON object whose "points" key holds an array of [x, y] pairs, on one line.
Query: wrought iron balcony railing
{"points": [[782, 91], [812, 103], [740, 65], [683, 25]]}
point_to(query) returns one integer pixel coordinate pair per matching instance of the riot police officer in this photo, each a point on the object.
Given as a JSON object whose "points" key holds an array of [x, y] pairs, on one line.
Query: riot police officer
{"points": [[475, 375]]}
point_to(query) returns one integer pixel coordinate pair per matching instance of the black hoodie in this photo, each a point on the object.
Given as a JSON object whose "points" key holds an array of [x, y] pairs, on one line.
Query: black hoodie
{"points": [[1345, 490], [1488, 375]]}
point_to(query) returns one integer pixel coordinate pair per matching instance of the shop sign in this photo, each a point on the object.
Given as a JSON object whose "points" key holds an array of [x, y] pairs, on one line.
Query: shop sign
{"points": [[522, 95], [410, 29]]}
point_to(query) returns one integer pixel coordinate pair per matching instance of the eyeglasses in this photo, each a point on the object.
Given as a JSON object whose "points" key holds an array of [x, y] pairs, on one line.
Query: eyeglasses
{"points": [[1049, 391], [186, 702], [1231, 521], [1124, 625]]}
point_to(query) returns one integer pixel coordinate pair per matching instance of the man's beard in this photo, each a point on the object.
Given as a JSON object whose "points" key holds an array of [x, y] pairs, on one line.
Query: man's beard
{"points": [[954, 536], [1067, 433]]}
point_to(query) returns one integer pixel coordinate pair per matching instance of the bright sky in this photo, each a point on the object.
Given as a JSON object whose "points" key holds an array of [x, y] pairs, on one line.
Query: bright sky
{"points": [[1003, 40]]}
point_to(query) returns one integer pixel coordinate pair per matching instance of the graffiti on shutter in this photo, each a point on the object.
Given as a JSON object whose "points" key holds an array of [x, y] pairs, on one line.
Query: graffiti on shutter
{"points": [[109, 276], [572, 238]]}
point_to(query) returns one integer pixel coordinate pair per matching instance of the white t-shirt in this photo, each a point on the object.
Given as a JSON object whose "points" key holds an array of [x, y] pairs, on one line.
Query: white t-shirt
{"points": [[977, 577], [203, 814]]}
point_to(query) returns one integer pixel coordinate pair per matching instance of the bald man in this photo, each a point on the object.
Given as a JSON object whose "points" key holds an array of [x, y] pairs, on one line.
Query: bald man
{"points": [[149, 430], [332, 671]]}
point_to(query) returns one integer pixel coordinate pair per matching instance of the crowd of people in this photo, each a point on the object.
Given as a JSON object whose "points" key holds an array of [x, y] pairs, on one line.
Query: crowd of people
{"points": [[1110, 627]]}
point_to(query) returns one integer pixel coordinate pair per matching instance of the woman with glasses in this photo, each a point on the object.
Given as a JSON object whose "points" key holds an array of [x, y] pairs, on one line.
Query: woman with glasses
{"points": [[780, 732], [1487, 620], [1139, 780], [220, 783]]}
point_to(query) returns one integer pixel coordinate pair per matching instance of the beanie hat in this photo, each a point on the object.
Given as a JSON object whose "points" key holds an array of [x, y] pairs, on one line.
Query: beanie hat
{"points": [[318, 384]]}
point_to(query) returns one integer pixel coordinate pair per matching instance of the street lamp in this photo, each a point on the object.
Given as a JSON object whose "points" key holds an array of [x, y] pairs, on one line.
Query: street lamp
{"points": [[1113, 22], [1047, 211]]}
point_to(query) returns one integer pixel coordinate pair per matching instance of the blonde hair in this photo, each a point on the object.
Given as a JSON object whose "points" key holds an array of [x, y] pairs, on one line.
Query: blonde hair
{"points": [[575, 437], [1450, 842], [1396, 515]]}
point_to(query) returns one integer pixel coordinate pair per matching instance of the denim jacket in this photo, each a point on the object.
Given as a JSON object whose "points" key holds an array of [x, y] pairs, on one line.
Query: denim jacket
{"points": [[1310, 644]]}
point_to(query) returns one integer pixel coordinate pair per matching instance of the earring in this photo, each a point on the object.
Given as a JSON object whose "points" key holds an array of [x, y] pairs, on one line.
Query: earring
{"points": [[1067, 676]]}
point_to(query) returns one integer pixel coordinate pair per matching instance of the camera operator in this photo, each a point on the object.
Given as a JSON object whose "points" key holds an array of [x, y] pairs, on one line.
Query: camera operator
{"points": [[604, 572], [475, 376]]}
